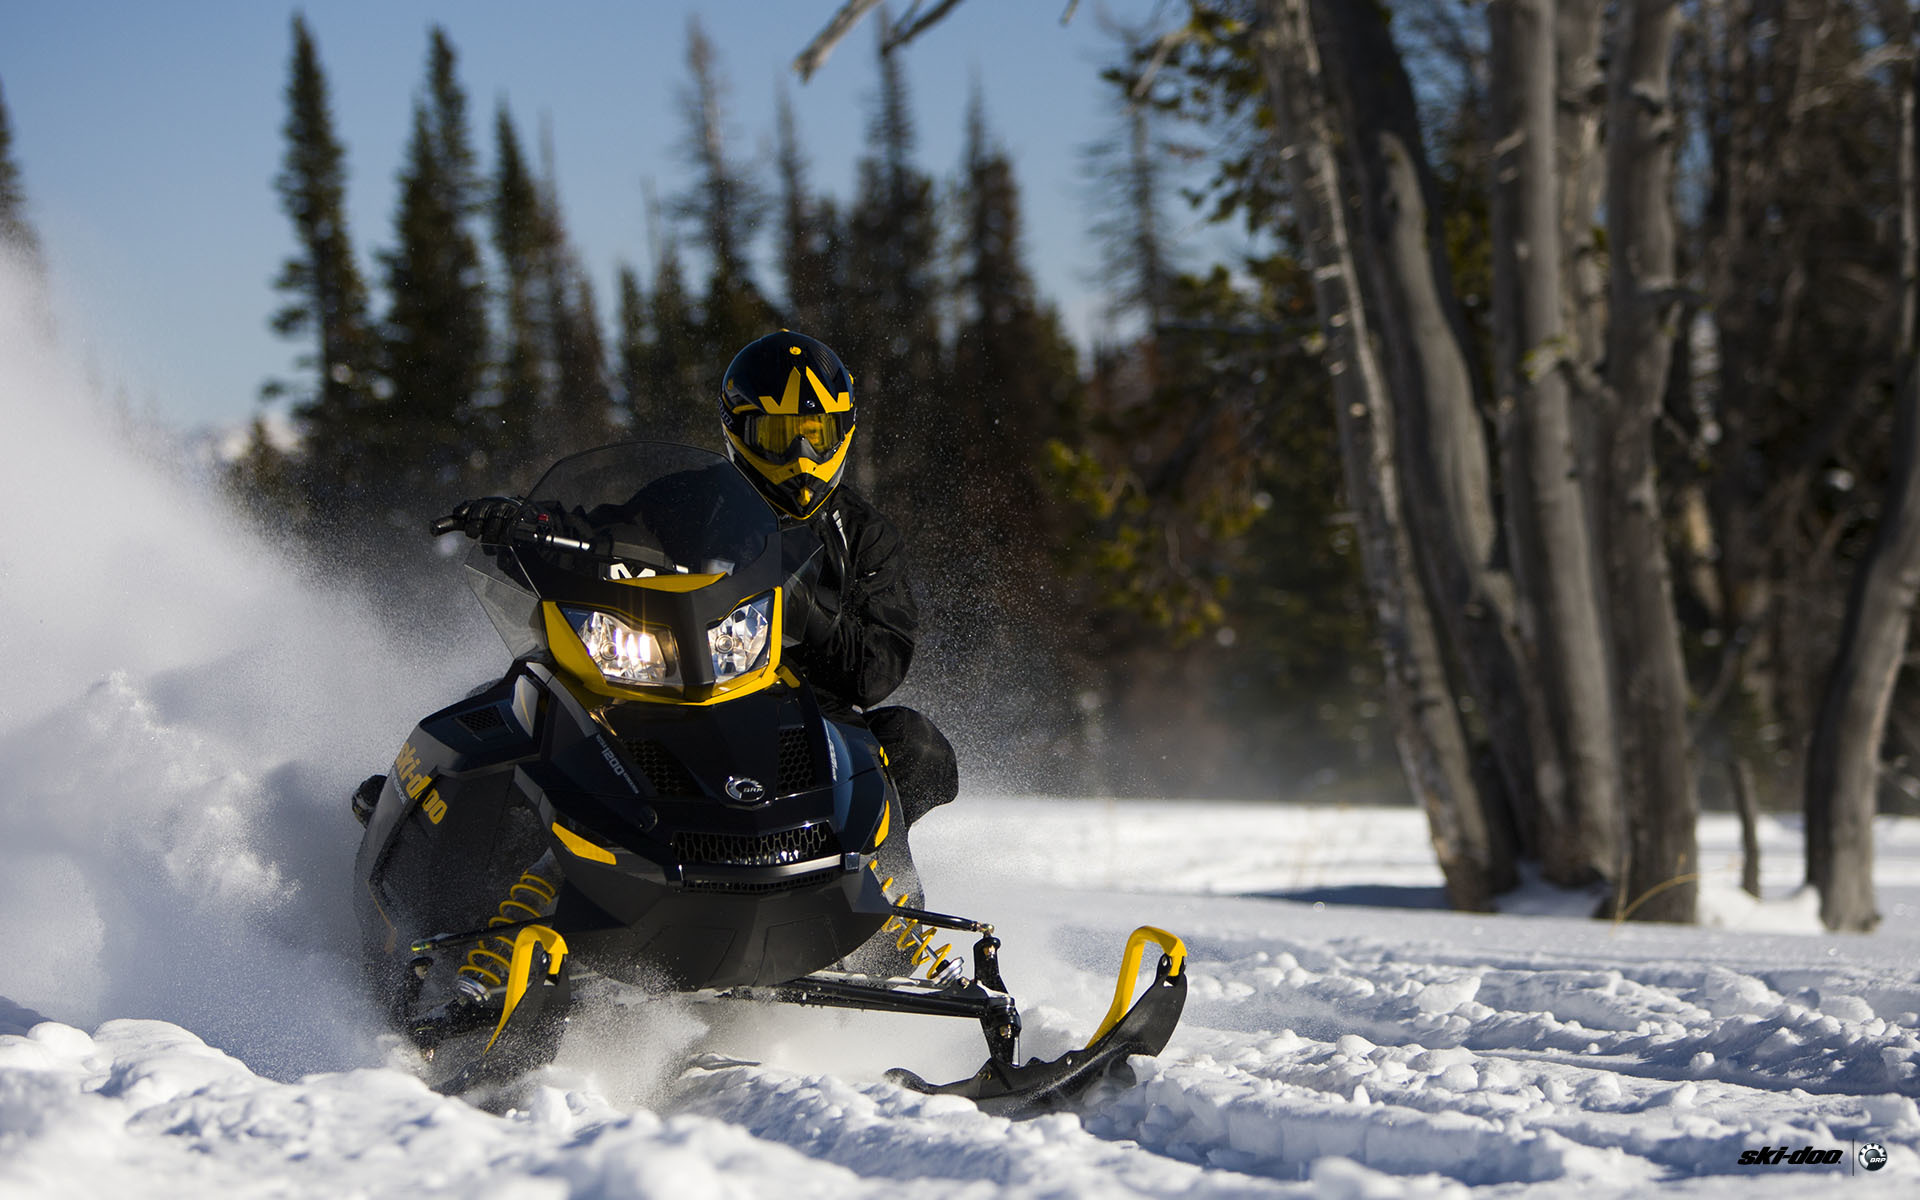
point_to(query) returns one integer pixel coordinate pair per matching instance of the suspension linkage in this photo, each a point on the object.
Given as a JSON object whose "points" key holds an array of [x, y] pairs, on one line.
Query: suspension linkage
{"points": [[941, 920], [436, 941]]}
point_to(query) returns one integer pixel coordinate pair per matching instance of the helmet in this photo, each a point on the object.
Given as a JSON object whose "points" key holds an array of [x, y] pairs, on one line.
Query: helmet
{"points": [[786, 404]]}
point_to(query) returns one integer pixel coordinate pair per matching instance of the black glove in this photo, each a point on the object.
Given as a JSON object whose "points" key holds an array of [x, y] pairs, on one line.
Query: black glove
{"points": [[488, 520]]}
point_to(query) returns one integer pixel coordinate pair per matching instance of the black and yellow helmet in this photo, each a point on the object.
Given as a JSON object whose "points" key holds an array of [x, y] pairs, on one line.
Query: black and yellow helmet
{"points": [[786, 404]]}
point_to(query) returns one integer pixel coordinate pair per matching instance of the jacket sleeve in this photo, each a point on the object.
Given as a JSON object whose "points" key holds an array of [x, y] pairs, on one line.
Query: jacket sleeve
{"points": [[867, 653]]}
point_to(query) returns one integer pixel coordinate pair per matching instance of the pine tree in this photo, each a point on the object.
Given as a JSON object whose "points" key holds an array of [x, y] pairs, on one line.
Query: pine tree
{"points": [[585, 393], [436, 329], [678, 396], [328, 300], [891, 340], [580, 414], [1014, 370], [517, 236], [16, 232], [809, 260], [725, 204], [630, 350]]}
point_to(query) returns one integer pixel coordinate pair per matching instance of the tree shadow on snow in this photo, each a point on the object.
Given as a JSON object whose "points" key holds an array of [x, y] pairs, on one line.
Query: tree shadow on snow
{"points": [[1365, 895]]}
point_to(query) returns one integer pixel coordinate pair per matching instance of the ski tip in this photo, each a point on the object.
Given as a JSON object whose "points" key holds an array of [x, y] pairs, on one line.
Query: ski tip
{"points": [[913, 1083], [717, 1062]]}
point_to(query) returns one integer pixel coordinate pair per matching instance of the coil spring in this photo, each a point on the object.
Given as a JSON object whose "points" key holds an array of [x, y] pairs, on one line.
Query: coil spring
{"points": [[917, 940], [528, 897]]}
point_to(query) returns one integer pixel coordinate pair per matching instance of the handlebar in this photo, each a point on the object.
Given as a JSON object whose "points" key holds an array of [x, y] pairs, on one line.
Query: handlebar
{"points": [[454, 523]]}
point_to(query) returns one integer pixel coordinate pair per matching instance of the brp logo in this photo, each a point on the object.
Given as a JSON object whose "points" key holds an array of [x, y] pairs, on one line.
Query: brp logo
{"points": [[1872, 1156], [742, 790]]}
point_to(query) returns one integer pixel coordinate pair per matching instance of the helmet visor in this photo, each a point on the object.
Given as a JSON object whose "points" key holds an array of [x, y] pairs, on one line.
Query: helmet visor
{"points": [[780, 436]]}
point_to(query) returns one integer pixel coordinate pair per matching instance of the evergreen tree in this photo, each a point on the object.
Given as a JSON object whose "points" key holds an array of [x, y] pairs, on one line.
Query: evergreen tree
{"points": [[580, 415], [436, 329], [809, 242], [15, 231], [517, 237], [635, 393], [679, 396], [328, 300], [1014, 371], [725, 204], [891, 341]]}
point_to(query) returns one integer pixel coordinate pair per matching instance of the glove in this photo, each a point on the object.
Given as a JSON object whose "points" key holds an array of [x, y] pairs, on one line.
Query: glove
{"points": [[488, 520]]}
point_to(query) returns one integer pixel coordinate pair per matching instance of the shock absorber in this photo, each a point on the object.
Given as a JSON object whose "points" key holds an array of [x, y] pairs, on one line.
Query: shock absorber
{"points": [[917, 941], [486, 966]]}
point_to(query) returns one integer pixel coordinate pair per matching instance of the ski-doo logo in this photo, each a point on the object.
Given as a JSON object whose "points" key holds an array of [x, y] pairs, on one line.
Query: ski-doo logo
{"points": [[1768, 1156], [413, 781], [746, 791]]}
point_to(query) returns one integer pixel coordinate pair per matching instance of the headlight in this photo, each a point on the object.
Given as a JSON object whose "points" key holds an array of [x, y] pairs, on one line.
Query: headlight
{"points": [[646, 654], [739, 642], [623, 653]]}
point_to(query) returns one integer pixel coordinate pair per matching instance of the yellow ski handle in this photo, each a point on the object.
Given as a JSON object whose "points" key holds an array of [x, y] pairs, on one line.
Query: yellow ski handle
{"points": [[522, 967], [1176, 951]]}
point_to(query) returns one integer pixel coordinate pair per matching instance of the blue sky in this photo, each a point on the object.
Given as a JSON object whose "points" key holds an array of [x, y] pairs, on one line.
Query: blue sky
{"points": [[148, 136]]}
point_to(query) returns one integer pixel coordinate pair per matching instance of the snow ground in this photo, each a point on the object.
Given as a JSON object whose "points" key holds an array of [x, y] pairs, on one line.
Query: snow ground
{"points": [[186, 710]]}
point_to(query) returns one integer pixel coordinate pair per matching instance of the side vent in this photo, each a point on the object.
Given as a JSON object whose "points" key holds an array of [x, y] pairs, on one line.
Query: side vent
{"points": [[483, 722], [661, 768], [796, 761]]}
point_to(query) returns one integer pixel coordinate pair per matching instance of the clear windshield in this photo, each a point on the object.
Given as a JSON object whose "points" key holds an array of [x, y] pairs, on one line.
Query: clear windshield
{"points": [[658, 506]]}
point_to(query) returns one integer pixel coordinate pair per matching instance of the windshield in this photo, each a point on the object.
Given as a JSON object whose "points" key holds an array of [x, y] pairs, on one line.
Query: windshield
{"points": [[657, 507], [645, 508]]}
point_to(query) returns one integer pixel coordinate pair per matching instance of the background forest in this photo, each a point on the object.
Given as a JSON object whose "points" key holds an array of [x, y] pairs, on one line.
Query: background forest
{"points": [[1547, 447]]}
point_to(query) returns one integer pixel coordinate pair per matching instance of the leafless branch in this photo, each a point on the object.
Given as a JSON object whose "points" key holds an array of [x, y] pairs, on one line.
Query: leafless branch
{"points": [[913, 28], [815, 55]]}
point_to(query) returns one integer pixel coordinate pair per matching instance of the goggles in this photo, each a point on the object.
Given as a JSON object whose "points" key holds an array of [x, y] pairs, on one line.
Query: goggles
{"points": [[782, 437]]}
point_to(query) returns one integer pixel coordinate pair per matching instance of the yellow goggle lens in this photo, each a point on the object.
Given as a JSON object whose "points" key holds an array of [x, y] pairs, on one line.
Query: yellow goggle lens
{"points": [[773, 433]]}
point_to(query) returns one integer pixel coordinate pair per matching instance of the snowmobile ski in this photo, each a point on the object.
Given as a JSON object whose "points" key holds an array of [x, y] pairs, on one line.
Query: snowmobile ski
{"points": [[1004, 1089]]}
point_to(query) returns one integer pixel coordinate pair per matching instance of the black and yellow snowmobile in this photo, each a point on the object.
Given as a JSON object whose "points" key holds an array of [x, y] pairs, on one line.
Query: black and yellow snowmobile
{"points": [[649, 799]]}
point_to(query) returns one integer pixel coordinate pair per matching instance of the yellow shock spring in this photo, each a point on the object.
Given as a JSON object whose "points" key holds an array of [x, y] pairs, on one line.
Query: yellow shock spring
{"points": [[528, 897], [914, 937]]}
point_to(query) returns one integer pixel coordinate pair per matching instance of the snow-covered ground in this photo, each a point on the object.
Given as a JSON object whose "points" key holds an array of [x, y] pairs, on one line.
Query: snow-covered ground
{"points": [[185, 710]]}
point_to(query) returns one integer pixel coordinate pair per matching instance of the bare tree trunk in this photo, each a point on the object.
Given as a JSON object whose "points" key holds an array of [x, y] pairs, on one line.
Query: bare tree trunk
{"points": [[1843, 762], [1535, 370], [1748, 806], [1432, 743], [1580, 94], [1661, 881], [1444, 474]]}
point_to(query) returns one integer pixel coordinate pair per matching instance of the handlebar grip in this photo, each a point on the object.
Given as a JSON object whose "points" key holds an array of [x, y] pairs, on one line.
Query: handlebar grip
{"points": [[545, 538], [447, 524]]}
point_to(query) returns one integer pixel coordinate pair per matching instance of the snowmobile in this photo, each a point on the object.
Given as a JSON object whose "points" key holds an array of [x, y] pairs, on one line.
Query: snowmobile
{"points": [[650, 799]]}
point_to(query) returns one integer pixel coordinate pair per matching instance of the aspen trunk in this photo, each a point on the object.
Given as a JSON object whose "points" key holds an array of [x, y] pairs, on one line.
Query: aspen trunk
{"points": [[1843, 761], [1661, 881], [1432, 743], [1444, 477], [1536, 368]]}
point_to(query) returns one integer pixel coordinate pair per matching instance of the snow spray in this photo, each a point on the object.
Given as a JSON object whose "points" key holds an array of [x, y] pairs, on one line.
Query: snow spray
{"points": [[184, 710]]}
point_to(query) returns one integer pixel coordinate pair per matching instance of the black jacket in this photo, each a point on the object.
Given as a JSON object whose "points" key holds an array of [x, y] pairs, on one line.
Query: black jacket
{"points": [[863, 581]]}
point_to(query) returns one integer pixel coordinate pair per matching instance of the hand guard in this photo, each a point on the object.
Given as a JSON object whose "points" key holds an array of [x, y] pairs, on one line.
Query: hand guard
{"points": [[807, 616]]}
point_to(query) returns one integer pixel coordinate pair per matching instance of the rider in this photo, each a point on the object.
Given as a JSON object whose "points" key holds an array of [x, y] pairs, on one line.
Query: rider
{"points": [[787, 413]]}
